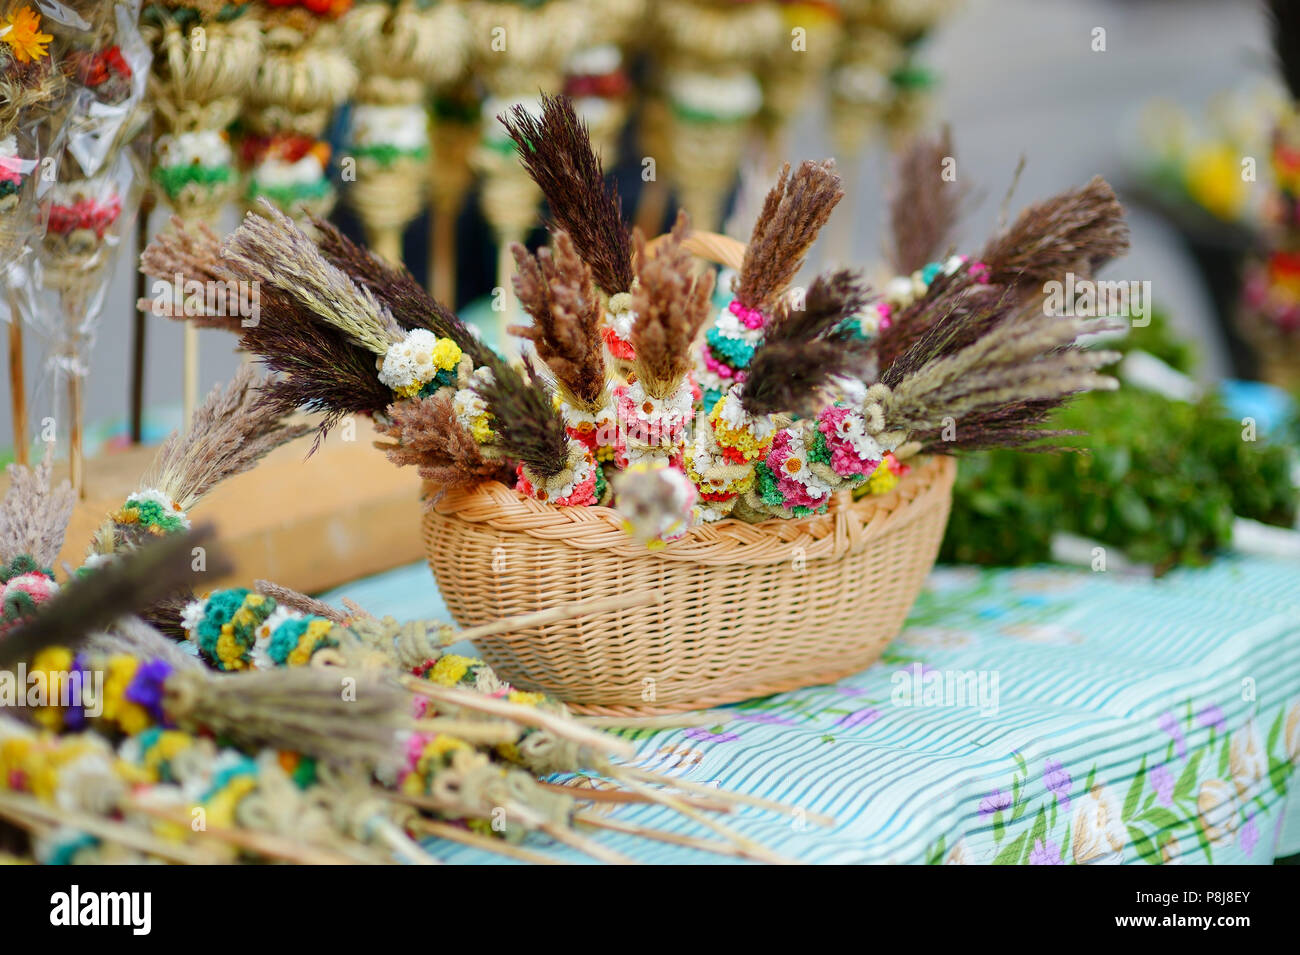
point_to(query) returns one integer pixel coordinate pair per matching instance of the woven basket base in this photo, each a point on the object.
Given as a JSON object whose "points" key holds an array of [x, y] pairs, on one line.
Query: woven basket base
{"points": [[749, 609]]}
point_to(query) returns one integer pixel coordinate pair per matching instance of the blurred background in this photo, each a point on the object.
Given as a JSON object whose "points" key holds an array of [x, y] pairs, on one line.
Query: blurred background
{"points": [[1013, 78]]}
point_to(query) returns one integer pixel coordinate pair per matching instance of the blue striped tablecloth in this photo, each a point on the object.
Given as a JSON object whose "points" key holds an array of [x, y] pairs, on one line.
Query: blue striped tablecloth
{"points": [[1107, 720]]}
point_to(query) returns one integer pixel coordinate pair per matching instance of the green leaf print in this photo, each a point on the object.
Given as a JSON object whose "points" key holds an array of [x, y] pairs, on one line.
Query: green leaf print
{"points": [[1187, 780], [1146, 849], [1279, 774], [1162, 818], [1011, 854], [936, 854], [1039, 831], [1135, 791], [1275, 732], [1223, 755]]}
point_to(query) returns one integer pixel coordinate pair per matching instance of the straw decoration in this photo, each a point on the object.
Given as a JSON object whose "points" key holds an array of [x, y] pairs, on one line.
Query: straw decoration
{"points": [[230, 432], [1080, 229], [556, 150], [805, 349], [426, 433], [34, 515], [93, 601], [671, 302], [793, 213], [556, 290], [923, 207]]}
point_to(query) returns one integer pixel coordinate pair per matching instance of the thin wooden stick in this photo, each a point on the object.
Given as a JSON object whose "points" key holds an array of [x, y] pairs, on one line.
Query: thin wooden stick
{"points": [[402, 845], [529, 819], [76, 452], [139, 325], [387, 244], [651, 207], [622, 796], [565, 611], [672, 721], [17, 385], [506, 343], [563, 727], [471, 731], [744, 845], [466, 837], [266, 844], [583, 844], [659, 835], [758, 802], [442, 254], [21, 806], [190, 375]]}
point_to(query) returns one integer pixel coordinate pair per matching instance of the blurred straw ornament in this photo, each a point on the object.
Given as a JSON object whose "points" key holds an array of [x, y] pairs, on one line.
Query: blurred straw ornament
{"points": [[798, 68], [28, 84], [400, 50], [203, 62], [710, 53], [516, 50], [91, 203], [596, 77], [455, 136], [302, 78]]}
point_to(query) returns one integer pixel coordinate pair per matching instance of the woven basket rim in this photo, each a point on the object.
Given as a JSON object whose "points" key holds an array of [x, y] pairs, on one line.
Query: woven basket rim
{"points": [[846, 526]]}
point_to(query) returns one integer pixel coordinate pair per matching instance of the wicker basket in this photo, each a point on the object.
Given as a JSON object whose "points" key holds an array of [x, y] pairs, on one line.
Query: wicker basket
{"points": [[750, 609]]}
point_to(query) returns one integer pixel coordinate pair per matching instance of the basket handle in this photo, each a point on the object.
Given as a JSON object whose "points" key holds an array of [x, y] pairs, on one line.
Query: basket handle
{"points": [[710, 246]]}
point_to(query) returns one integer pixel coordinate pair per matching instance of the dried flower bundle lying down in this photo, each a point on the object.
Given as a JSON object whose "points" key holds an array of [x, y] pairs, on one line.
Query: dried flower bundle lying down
{"points": [[765, 407], [245, 721]]}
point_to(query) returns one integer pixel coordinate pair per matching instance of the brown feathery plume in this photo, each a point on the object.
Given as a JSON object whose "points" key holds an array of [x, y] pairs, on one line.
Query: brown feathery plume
{"points": [[321, 369], [672, 302], [165, 614], [924, 206], [793, 213], [556, 289], [805, 349], [139, 578], [557, 153], [528, 426], [33, 515], [295, 600], [955, 309], [998, 388], [230, 432], [428, 435], [396, 289], [1079, 229], [183, 257], [268, 247]]}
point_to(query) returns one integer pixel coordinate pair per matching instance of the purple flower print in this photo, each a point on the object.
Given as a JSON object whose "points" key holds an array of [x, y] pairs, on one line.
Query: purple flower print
{"points": [[1057, 781], [1213, 716], [1162, 781], [994, 802], [768, 718], [863, 717], [1169, 725], [1045, 853], [1249, 836], [858, 718], [703, 735]]}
